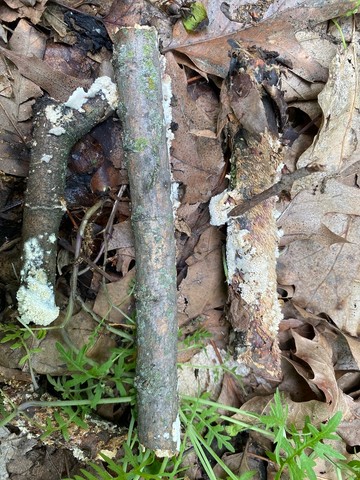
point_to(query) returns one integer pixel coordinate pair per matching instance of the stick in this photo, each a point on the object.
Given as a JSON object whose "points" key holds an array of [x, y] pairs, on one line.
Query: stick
{"points": [[57, 127], [139, 80], [283, 185], [255, 110]]}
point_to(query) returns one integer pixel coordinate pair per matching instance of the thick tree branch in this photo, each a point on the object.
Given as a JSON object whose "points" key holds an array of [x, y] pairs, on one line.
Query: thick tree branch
{"points": [[57, 127], [254, 112], [139, 79]]}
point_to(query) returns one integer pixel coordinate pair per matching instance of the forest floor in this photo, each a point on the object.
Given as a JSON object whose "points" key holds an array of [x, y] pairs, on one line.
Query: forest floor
{"points": [[256, 316]]}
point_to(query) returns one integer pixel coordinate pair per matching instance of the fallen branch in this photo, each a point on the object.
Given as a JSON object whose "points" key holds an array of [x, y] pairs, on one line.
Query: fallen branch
{"points": [[57, 127], [139, 80], [251, 99]]}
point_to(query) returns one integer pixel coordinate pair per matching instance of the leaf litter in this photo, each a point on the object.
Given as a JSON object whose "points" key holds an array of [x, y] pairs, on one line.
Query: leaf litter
{"points": [[319, 257]]}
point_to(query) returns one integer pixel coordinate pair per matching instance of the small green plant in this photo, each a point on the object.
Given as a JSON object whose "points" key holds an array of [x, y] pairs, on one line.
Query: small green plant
{"points": [[19, 337], [135, 464], [94, 381], [197, 339], [349, 13], [295, 452], [61, 420], [202, 428], [89, 383], [87, 379]]}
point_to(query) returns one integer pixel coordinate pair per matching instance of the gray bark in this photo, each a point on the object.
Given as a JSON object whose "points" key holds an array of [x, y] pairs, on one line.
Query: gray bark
{"points": [[138, 75], [57, 127]]}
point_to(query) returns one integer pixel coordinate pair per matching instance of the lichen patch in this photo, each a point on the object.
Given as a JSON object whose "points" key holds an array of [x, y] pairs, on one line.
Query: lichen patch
{"points": [[36, 301]]}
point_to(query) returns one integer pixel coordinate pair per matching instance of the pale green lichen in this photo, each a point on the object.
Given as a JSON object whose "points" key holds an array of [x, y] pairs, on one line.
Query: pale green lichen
{"points": [[139, 145], [36, 301]]}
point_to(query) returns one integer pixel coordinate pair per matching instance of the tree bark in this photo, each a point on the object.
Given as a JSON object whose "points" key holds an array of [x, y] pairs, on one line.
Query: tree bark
{"points": [[253, 114], [57, 127], [139, 78]]}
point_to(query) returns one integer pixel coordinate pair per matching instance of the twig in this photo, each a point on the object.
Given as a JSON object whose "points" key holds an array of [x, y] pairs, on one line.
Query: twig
{"points": [[79, 237], [249, 96], [284, 185]]}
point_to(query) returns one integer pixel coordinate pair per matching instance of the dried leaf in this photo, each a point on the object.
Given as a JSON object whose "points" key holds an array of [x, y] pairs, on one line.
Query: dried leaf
{"points": [[122, 236], [317, 353], [208, 50], [194, 380], [16, 9], [57, 84], [335, 145], [197, 160], [13, 153], [18, 97], [48, 361], [321, 225], [113, 301], [204, 286], [122, 240]]}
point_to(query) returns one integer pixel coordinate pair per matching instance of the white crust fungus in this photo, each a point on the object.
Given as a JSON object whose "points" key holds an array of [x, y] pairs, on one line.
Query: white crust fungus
{"points": [[221, 205], [58, 118], [55, 115], [176, 429], [46, 158], [36, 301], [167, 96], [102, 85], [57, 131]]}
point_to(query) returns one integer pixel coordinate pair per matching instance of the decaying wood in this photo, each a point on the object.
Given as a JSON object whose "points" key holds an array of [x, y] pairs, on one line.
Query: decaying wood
{"points": [[57, 127], [254, 111], [139, 79]]}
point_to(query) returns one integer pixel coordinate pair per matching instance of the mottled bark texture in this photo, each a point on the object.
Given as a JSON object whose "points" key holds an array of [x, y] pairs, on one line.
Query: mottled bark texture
{"points": [[253, 114], [138, 74], [254, 310], [57, 127]]}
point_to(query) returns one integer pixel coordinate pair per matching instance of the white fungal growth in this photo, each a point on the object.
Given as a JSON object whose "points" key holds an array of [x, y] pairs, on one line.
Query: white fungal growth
{"points": [[176, 430], [46, 158], [53, 114], [167, 111], [57, 118], [57, 131], [167, 96], [237, 246], [174, 195], [36, 301], [102, 86], [221, 205]]}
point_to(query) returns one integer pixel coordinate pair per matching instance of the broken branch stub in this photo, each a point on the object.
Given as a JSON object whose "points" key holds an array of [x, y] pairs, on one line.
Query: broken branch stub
{"points": [[57, 127], [139, 79]]}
